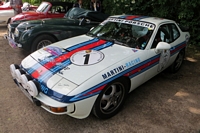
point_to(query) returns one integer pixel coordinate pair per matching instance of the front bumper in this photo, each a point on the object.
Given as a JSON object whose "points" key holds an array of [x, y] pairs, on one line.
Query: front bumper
{"points": [[42, 100], [46, 102], [11, 41]]}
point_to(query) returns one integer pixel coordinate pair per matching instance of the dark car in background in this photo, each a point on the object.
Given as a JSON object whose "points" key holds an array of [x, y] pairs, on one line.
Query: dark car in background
{"points": [[33, 35]]}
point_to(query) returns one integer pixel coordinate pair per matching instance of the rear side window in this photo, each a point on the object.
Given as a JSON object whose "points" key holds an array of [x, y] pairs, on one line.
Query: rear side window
{"points": [[175, 31]]}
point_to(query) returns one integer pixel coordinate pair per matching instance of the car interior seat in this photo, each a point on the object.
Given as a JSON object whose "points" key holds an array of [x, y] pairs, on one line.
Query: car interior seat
{"points": [[58, 9]]}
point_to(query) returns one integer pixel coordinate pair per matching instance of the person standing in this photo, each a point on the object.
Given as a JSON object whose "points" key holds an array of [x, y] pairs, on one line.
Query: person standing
{"points": [[78, 4], [16, 5], [95, 5]]}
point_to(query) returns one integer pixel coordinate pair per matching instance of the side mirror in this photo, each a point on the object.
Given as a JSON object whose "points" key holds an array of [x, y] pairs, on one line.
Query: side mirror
{"points": [[162, 46]]}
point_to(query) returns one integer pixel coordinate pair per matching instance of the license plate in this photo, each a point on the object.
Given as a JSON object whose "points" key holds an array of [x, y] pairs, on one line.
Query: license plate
{"points": [[12, 43]]}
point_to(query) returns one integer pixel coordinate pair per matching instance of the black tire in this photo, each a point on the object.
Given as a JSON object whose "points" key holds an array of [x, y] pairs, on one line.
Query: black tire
{"points": [[42, 41], [178, 62], [8, 20], [111, 99]]}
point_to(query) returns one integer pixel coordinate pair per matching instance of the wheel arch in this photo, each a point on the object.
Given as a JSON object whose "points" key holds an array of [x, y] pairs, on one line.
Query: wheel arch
{"points": [[40, 34]]}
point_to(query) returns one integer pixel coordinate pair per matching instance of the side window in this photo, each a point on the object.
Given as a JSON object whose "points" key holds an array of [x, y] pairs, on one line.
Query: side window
{"points": [[162, 35], [175, 32]]}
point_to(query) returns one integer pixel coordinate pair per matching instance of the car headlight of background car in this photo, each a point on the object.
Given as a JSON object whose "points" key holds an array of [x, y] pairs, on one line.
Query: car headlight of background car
{"points": [[16, 33], [9, 30], [9, 27]]}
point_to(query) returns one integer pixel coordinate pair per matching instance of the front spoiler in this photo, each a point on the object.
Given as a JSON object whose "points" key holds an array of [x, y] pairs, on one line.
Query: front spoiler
{"points": [[46, 102]]}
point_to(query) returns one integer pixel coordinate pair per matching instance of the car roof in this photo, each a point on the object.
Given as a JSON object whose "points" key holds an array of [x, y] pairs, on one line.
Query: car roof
{"points": [[154, 20]]}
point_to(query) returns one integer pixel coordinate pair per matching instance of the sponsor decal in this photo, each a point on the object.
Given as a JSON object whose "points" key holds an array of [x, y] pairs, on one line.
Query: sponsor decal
{"points": [[132, 62], [113, 72], [133, 22], [53, 50], [121, 68]]}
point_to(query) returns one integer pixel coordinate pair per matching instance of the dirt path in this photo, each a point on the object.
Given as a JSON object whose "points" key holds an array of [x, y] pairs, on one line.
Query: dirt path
{"points": [[165, 104]]}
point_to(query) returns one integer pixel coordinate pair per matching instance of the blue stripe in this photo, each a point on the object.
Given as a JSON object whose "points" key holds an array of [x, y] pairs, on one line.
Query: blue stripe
{"points": [[142, 17]]}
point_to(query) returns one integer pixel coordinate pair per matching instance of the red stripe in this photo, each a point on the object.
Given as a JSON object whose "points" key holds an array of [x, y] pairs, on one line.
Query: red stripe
{"points": [[94, 91], [64, 57], [178, 48], [132, 17]]}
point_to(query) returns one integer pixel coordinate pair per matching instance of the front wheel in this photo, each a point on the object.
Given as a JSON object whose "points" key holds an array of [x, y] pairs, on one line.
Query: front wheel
{"points": [[42, 41], [178, 62], [111, 99]]}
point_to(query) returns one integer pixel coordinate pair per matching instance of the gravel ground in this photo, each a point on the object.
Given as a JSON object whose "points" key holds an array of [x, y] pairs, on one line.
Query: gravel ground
{"points": [[168, 103]]}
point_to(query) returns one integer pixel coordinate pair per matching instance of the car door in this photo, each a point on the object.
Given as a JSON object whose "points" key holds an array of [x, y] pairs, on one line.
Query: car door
{"points": [[158, 59]]}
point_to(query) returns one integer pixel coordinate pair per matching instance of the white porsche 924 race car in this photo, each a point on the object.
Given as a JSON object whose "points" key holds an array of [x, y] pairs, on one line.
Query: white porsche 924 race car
{"points": [[96, 71]]}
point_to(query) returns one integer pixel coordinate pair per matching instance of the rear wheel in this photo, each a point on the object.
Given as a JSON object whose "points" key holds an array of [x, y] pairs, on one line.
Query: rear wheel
{"points": [[111, 99], [178, 62], [42, 41]]}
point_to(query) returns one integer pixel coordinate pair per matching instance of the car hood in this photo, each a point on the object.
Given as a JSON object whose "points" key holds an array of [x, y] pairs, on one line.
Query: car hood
{"points": [[71, 61], [25, 15], [5, 8], [54, 21]]}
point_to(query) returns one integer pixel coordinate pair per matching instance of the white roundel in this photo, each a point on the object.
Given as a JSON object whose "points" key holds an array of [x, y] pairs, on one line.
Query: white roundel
{"points": [[86, 57]]}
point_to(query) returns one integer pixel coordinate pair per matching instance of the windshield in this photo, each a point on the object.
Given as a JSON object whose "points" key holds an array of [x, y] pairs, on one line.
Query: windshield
{"points": [[124, 32], [43, 7]]}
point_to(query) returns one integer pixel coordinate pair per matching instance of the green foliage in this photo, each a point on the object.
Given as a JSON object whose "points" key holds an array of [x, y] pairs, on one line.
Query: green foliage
{"points": [[185, 12]]}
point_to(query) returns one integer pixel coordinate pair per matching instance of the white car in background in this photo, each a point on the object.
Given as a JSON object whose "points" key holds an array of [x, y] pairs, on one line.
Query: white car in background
{"points": [[6, 12], [95, 72]]}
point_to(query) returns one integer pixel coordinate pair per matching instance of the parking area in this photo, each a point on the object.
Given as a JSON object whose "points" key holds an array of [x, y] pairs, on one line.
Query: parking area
{"points": [[168, 103]]}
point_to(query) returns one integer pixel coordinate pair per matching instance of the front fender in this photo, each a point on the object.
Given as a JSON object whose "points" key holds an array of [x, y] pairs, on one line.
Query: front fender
{"points": [[28, 36]]}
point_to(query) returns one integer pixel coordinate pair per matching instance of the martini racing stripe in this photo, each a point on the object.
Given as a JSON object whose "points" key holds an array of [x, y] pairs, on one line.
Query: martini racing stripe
{"points": [[177, 48], [43, 78], [131, 17], [69, 54], [141, 17], [140, 68], [64, 57], [82, 44], [43, 62]]}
